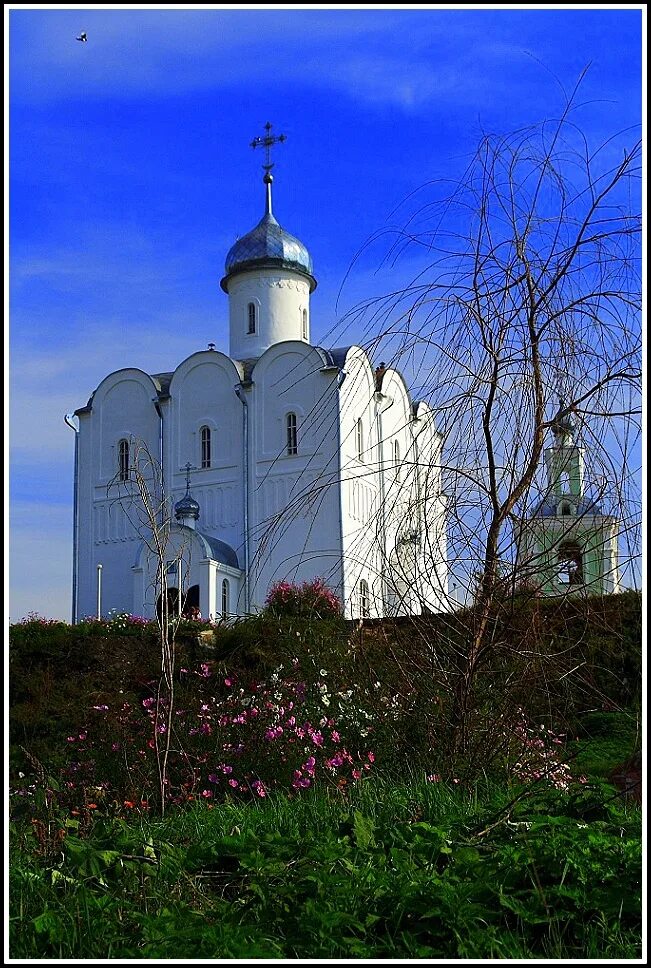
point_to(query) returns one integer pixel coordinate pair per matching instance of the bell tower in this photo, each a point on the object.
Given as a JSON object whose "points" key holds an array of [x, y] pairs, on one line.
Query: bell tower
{"points": [[567, 545]]}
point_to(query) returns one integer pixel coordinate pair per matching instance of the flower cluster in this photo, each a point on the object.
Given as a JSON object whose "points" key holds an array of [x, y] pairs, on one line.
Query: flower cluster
{"points": [[312, 599], [537, 754], [39, 619], [225, 738]]}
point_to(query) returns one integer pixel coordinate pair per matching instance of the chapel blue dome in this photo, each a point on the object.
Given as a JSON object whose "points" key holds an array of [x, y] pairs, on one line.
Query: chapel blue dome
{"points": [[187, 507]]}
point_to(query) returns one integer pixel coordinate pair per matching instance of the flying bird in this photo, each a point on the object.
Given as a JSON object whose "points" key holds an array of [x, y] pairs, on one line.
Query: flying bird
{"points": [[82, 37]]}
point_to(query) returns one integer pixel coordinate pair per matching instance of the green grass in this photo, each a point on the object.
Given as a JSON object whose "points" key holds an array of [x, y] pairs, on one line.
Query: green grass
{"points": [[418, 870], [604, 742]]}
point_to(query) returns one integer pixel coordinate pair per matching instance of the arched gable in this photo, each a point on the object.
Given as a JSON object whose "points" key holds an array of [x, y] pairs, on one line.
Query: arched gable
{"points": [[232, 368], [293, 378], [202, 394], [122, 408]]}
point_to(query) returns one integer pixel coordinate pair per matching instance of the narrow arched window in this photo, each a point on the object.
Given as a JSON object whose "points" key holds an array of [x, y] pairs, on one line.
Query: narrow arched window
{"points": [[252, 318], [570, 564], [566, 509], [360, 438], [292, 434], [123, 460], [205, 447], [396, 459], [304, 323], [226, 598], [363, 599]]}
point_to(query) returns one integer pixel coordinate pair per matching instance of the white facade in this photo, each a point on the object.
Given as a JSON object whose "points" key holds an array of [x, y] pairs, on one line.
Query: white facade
{"points": [[304, 463]]}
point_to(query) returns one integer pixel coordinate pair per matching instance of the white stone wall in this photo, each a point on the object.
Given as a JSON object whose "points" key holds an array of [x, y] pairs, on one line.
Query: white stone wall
{"points": [[202, 393], [294, 498], [393, 512], [122, 407], [360, 493], [326, 511]]}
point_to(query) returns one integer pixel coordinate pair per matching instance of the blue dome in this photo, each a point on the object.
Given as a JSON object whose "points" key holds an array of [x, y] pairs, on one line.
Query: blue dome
{"points": [[268, 245], [187, 507]]}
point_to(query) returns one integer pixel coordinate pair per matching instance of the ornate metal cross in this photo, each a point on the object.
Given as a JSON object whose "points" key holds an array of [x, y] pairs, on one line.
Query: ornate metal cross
{"points": [[266, 142]]}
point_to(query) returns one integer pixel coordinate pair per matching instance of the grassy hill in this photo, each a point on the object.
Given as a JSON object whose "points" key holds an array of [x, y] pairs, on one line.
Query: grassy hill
{"points": [[316, 803]]}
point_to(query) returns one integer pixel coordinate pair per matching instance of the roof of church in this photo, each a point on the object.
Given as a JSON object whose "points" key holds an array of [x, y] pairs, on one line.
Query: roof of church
{"points": [[163, 380], [221, 551], [338, 355], [268, 244]]}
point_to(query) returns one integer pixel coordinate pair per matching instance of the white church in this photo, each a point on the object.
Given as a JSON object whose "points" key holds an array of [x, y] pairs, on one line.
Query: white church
{"points": [[282, 461]]}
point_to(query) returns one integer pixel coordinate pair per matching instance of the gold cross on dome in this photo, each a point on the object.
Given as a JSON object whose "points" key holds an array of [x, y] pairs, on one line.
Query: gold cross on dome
{"points": [[267, 141]]}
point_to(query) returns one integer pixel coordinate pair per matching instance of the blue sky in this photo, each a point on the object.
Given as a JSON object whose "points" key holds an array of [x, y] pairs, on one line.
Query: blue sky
{"points": [[131, 175]]}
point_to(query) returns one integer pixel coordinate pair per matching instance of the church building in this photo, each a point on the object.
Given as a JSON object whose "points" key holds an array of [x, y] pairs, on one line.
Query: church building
{"points": [[282, 461]]}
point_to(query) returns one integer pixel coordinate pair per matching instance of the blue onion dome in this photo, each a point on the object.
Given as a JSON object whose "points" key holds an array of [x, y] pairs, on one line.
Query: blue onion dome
{"points": [[187, 507], [268, 245]]}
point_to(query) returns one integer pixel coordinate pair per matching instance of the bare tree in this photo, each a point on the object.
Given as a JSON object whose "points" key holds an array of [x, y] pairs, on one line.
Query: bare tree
{"points": [[531, 292], [140, 494]]}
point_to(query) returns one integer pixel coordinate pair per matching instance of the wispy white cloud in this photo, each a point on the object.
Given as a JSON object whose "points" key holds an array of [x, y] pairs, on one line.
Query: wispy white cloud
{"points": [[400, 58]]}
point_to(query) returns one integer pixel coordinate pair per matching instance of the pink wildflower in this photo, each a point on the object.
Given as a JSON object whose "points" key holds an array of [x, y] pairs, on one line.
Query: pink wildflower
{"points": [[309, 765]]}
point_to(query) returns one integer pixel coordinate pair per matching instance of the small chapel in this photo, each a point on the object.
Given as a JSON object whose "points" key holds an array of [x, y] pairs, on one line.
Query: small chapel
{"points": [[283, 461]]}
